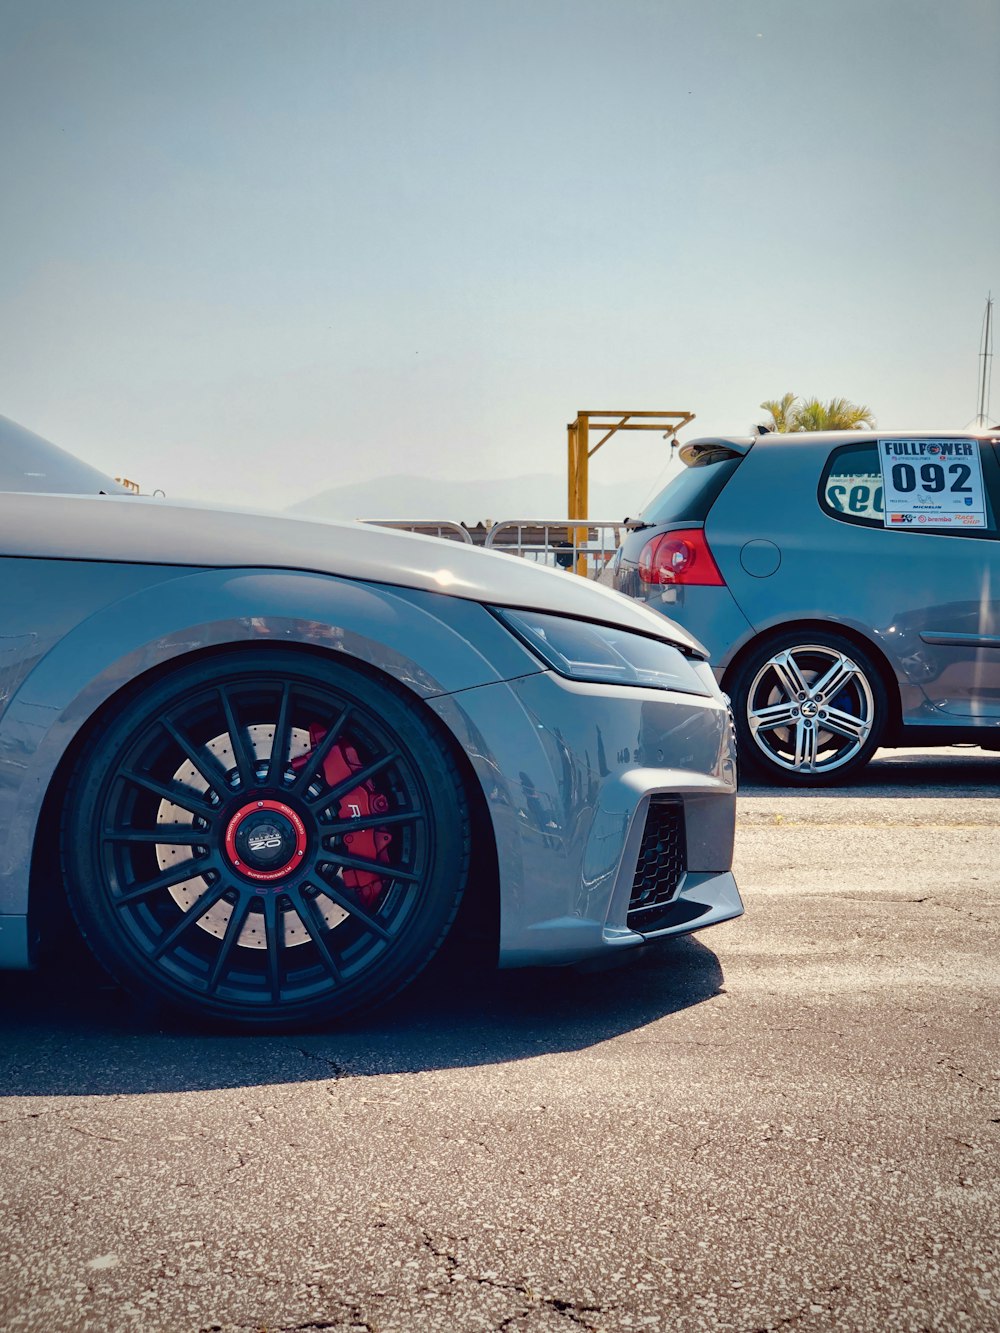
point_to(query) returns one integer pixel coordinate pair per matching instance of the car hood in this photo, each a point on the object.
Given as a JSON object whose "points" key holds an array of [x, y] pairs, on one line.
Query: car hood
{"points": [[137, 529]]}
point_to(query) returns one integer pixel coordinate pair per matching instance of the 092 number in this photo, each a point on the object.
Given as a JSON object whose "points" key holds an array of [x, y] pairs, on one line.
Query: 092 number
{"points": [[932, 477]]}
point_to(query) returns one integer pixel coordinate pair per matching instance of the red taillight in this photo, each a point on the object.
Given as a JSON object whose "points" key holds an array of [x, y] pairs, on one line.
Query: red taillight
{"points": [[680, 557]]}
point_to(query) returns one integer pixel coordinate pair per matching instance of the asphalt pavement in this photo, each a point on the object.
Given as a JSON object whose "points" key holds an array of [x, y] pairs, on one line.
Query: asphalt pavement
{"points": [[790, 1121]]}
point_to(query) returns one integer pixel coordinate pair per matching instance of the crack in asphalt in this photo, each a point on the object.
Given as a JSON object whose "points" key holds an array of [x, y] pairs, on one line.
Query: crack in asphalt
{"points": [[352, 1313], [89, 1134], [895, 900], [962, 911], [358, 1322], [952, 1069], [338, 1071], [32, 1115], [573, 1310], [352, 1317]]}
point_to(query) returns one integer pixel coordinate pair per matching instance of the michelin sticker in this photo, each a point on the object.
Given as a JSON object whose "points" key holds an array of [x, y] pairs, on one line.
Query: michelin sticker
{"points": [[932, 484]]}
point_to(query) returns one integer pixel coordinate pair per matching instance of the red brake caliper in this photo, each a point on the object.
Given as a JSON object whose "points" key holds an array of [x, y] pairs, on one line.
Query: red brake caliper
{"points": [[359, 803]]}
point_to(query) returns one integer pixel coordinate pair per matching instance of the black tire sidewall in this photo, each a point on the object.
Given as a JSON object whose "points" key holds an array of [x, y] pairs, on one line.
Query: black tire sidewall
{"points": [[398, 713]]}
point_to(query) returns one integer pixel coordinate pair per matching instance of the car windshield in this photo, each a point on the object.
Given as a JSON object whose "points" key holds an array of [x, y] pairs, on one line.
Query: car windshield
{"points": [[29, 463]]}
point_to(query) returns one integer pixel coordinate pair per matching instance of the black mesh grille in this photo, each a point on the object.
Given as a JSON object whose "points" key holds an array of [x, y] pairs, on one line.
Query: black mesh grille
{"points": [[662, 860]]}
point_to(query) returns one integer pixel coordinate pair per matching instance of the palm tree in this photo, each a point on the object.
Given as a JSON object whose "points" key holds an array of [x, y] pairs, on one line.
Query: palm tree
{"points": [[837, 414], [791, 415], [781, 410]]}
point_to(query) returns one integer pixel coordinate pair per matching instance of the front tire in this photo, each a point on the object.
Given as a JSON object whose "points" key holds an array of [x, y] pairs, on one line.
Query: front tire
{"points": [[810, 709], [268, 839]]}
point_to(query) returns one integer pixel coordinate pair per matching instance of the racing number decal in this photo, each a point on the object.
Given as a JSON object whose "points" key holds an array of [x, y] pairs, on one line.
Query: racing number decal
{"points": [[932, 477], [932, 483]]}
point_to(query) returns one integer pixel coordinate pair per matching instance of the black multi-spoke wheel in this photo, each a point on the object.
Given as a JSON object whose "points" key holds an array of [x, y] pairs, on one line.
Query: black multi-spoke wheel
{"points": [[810, 709], [267, 838]]}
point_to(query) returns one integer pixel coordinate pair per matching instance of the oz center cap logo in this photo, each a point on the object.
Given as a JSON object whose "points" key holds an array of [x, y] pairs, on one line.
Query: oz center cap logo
{"points": [[264, 838]]}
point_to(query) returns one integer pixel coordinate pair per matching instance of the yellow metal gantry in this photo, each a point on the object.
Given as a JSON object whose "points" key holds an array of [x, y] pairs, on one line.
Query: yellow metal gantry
{"points": [[581, 450]]}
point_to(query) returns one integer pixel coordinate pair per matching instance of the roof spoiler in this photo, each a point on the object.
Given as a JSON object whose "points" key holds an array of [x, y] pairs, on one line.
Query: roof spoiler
{"points": [[701, 453]]}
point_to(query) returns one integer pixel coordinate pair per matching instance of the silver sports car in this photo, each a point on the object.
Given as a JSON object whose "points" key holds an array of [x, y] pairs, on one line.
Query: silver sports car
{"points": [[267, 759]]}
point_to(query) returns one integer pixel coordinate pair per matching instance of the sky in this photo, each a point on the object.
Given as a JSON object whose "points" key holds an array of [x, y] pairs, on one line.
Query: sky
{"points": [[253, 249]]}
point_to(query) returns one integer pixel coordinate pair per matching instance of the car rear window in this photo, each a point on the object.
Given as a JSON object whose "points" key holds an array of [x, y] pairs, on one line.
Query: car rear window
{"points": [[689, 495], [851, 488]]}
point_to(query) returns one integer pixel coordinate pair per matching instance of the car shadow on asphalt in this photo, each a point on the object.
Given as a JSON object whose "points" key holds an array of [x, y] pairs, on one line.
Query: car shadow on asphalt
{"points": [[79, 1035]]}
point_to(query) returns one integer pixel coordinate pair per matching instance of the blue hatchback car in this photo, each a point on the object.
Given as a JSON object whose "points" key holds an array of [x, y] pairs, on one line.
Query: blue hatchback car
{"points": [[846, 585]]}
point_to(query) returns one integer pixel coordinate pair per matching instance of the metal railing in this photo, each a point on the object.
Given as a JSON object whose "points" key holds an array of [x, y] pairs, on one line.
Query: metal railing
{"points": [[428, 527], [584, 545]]}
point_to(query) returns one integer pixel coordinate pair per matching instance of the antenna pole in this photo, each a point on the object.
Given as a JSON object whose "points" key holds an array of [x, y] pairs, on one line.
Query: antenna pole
{"points": [[986, 359]]}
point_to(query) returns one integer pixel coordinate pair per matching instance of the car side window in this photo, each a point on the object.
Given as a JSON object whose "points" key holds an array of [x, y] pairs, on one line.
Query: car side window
{"points": [[852, 488]]}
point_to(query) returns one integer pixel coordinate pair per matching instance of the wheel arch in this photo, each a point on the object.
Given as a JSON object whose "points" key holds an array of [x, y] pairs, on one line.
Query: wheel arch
{"points": [[49, 916]]}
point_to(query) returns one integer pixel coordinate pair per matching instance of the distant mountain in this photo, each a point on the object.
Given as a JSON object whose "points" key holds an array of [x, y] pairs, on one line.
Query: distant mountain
{"points": [[538, 496]]}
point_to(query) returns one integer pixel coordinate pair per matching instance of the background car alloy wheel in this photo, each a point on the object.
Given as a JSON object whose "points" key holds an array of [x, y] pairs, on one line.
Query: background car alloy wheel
{"points": [[266, 838], [809, 709]]}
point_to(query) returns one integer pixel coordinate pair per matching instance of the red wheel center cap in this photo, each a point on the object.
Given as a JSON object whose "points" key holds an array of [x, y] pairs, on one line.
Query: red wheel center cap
{"points": [[265, 840]]}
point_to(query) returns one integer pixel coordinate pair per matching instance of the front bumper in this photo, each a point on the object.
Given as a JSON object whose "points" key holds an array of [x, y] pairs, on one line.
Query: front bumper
{"points": [[570, 772]]}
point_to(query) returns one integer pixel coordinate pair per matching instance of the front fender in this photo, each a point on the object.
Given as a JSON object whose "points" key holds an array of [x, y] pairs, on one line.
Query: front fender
{"points": [[424, 642]]}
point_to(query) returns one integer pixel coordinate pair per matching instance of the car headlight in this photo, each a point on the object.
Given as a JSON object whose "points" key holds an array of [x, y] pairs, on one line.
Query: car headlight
{"points": [[603, 653]]}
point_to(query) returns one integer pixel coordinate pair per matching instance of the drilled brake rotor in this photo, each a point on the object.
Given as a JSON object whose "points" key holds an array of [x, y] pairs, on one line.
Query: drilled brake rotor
{"points": [[186, 894]]}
